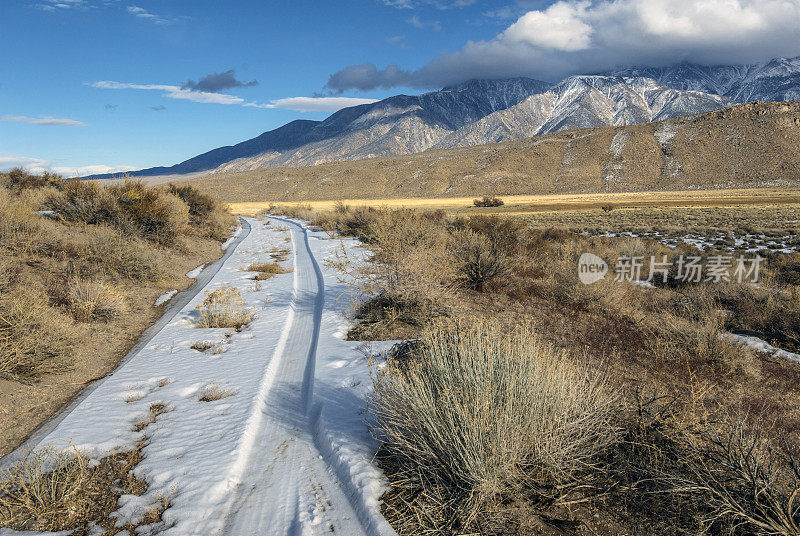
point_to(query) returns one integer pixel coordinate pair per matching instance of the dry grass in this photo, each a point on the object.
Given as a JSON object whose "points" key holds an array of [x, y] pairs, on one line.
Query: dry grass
{"points": [[267, 270], [224, 308], [666, 337], [476, 415], [213, 392], [153, 413], [90, 300], [54, 491], [516, 204], [64, 318]]}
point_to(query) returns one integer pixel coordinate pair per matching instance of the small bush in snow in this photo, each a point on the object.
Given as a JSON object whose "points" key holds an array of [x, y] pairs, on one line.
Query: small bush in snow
{"points": [[224, 308]]}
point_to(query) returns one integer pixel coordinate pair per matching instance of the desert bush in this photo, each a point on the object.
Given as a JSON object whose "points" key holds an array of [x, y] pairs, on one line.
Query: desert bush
{"points": [[132, 207], [488, 201], [477, 259], [44, 489], [224, 308], [688, 469], [475, 414], [205, 213], [93, 300], [128, 257], [84, 202], [153, 212], [19, 178], [33, 339]]}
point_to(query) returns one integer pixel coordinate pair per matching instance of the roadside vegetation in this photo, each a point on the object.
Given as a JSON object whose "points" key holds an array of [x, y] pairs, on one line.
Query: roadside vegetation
{"points": [[577, 409], [81, 267]]}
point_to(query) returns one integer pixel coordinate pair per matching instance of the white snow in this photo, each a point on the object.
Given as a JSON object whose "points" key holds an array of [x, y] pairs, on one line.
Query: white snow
{"points": [[164, 298], [195, 272], [289, 452], [761, 346], [233, 237]]}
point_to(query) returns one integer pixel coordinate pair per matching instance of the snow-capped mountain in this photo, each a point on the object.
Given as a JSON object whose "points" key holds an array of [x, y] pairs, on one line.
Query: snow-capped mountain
{"points": [[482, 111], [583, 102], [773, 81]]}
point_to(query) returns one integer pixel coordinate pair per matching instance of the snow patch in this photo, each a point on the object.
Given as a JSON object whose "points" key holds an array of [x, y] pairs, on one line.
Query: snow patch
{"points": [[164, 298], [760, 346]]}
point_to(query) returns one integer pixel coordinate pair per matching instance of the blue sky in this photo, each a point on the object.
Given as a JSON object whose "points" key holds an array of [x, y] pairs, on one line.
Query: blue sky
{"points": [[77, 76]]}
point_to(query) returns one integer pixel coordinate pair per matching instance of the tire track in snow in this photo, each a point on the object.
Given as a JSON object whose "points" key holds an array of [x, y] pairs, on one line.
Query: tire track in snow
{"points": [[281, 483]]}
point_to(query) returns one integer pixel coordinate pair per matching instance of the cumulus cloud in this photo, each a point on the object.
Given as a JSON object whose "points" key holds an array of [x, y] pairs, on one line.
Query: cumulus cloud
{"points": [[46, 121], [215, 82], [580, 36], [39, 165], [300, 104]]}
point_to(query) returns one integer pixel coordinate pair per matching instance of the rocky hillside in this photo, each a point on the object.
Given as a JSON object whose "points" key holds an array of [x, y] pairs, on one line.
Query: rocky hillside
{"points": [[749, 145]]}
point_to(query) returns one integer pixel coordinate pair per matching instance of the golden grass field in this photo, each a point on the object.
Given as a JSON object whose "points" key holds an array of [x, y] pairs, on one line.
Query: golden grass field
{"points": [[521, 204]]}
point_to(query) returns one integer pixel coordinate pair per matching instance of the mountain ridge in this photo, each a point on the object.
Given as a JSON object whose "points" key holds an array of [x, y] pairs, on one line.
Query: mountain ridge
{"points": [[482, 111]]}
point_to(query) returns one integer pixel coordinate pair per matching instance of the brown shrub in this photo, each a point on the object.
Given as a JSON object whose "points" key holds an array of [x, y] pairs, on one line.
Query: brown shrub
{"points": [[224, 308], [473, 415], [94, 300], [488, 201], [206, 214]]}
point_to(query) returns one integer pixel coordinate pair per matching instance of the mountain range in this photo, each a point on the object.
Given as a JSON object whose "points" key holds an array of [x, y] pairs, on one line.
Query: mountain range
{"points": [[482, 111]]}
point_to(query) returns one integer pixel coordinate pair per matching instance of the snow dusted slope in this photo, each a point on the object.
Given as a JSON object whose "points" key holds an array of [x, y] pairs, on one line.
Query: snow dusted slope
{"points": [[288, 451], [584, 102]]}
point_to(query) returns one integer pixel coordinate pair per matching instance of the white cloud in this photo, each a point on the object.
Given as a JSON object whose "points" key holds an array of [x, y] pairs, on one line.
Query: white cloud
{"points": [[420, 24], [314, 104], [141, 13], [561, 26], [48, 121], [53, 5], [300, 104], [39, 165], [174, 92], [579, 36]]}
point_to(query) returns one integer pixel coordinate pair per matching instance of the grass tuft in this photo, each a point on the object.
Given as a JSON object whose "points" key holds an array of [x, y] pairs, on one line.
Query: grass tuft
{"points": [[224, 308]]}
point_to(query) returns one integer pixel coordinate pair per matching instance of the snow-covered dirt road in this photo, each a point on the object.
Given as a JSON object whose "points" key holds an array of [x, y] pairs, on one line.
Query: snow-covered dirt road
{"points": [[288, 451]]}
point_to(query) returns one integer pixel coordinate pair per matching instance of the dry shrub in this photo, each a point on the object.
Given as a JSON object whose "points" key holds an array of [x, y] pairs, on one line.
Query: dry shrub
{"points": [[128, 257], [44, 490], [94, 300], [686, 470], [132, 207], [224, 308], [153, 212], [33, 338], [267, 270], [488, 201], [213, 392], [478, 259], [205, 213], [475, 415], [17, 219]]}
